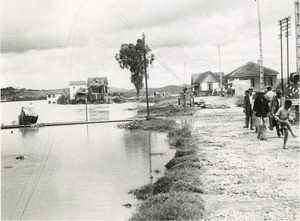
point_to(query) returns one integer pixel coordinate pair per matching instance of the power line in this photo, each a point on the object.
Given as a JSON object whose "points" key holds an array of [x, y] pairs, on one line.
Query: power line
{"points": [[132, 28]]}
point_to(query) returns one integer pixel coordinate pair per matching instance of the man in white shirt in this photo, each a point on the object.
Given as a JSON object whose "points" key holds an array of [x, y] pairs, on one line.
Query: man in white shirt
{"points": [[283, 117]]}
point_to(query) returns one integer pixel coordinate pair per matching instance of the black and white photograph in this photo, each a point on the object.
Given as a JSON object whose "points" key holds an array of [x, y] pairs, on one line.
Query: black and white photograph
{"points": [[150, 110]]}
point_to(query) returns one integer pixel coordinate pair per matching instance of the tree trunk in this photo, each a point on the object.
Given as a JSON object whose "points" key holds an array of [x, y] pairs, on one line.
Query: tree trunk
{"points": [[137, 92]]}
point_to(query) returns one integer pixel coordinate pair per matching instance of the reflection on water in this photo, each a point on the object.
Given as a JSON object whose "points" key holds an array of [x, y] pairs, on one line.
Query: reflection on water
{"points": [[28, 132], [77, 172], [64, 113]]}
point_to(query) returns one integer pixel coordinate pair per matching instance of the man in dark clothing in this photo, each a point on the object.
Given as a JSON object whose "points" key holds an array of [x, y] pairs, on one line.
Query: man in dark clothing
{"points": [[260, 111], [248, 105]]}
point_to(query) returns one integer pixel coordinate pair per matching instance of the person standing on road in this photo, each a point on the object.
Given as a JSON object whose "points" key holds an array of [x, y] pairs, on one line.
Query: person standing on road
{"points": [[270, 96], [260, 112], [276, 103], [248, 108], [282, 116]]}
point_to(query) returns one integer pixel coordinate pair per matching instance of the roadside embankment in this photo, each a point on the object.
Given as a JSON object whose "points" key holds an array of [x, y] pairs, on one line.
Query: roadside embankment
{"points": [[177, 194]]}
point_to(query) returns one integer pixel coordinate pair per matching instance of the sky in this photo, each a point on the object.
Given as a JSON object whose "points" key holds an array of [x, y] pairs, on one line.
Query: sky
{"points": [[46, 44]]}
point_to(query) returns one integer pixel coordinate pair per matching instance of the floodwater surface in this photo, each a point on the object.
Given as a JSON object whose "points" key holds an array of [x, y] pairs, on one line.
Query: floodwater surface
{"points": [[77, 172]]}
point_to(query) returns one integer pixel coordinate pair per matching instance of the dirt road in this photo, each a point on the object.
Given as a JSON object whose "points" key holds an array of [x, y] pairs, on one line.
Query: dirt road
{"points": [[244, 178]]}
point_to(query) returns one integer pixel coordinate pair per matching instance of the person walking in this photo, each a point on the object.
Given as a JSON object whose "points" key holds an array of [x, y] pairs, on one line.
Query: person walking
{"points": [[248, 108], [270, 96], [260, 111], [276, 103], [283, 117]]}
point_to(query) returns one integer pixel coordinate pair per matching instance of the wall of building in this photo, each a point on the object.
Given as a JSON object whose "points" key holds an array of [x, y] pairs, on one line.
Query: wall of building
{"points": [[256, 82], [73, 90], [209, 79], [52, 98]]}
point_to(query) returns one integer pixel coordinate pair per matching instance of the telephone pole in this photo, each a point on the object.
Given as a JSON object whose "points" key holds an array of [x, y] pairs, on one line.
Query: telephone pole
{"points": [[287, 27], [297, 24], [260, 61], [281, 56], [145, 69], [221, 83]]}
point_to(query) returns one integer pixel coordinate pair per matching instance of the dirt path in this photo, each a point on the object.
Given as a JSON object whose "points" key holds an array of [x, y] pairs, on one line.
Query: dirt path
{"points": [[244, 178]]}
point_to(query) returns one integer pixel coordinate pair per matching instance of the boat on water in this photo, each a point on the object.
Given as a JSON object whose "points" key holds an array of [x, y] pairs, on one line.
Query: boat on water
{"points": [[28, 116]]}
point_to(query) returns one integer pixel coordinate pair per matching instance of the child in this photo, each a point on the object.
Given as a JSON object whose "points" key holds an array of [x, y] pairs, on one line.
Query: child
{"points": [[282, 116]]}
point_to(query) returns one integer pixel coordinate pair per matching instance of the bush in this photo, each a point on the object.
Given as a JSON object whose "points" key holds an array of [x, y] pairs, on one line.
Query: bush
{"points": [[63, 99], [175, 206]]}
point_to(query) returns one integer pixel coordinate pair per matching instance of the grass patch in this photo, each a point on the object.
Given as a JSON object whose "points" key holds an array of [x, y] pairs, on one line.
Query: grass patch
{"points": [[174, 206], [175, 195], [153, 124]]}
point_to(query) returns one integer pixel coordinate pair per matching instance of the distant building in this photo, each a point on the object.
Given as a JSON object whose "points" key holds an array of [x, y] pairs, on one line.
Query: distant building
{"points": [[53, 97], [77, 91], [250, 71], [97, 89], [206, 82]]}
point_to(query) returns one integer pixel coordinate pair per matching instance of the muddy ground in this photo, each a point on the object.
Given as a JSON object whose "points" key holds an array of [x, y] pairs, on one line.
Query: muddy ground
{"points": [[244, 178]]}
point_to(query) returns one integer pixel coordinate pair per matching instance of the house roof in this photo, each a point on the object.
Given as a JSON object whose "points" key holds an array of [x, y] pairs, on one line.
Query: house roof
{"points": [[97, 81], [74, 83], [29, 111], [198, 78], [250, 69]]}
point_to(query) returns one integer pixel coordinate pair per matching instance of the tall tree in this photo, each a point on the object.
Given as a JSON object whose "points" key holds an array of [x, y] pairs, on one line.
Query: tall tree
{"points": [[131, 57]]}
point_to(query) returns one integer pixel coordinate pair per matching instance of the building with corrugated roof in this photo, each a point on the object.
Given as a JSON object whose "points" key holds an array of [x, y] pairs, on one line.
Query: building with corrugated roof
{"points": [[250, 71], [206, 82]]}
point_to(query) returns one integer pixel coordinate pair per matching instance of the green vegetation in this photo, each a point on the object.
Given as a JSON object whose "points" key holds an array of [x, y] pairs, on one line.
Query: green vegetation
{"points": [[23, 94], [153, 124], [131, 57], [176, 195]]}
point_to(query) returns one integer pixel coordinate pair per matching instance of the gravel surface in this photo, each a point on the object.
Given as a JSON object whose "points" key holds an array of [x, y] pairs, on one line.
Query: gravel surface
{"points": [[244, 178]]}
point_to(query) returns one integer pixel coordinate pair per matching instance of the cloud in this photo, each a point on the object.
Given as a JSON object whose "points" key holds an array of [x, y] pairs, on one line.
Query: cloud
{"points": [[66, 39]]}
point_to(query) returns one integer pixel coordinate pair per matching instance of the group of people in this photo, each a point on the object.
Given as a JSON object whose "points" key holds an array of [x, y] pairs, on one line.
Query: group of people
{"points": [[268, 106]]}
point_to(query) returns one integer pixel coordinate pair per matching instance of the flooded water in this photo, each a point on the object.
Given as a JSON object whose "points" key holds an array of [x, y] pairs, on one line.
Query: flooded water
{"points": [[59, 113], [78, 172]]}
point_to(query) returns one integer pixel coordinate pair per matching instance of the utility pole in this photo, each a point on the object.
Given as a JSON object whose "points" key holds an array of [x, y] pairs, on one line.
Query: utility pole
{"points": [[261, 69], [86, 112], [281, 56], [287, 34], [297, 25], [221, 83], [145, 68]]}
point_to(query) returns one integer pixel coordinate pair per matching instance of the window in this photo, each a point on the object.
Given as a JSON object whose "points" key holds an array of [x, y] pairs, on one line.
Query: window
{"points": [[270, 81], [53, 95], [49, 95], [252, 82]]}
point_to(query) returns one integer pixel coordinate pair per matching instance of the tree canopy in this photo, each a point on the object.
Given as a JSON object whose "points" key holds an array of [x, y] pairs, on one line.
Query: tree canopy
{"points": [[131, 56]]}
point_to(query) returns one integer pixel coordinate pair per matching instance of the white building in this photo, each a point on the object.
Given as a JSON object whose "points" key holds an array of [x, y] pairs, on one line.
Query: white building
{"points": [[75, 86], [207, 81], [52, 98]]}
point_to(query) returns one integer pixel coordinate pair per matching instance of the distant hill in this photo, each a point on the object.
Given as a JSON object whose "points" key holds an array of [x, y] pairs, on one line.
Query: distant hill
{"points": [[23, 94], [169, 88]]}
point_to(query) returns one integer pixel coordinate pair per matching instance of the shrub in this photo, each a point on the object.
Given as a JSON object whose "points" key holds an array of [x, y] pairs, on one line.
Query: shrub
{"points": [[175, 206]]}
